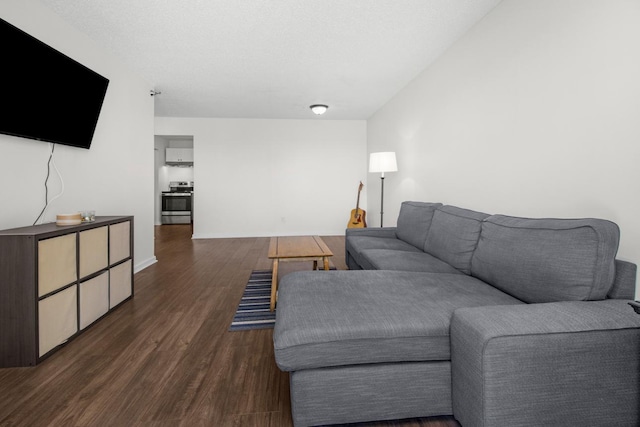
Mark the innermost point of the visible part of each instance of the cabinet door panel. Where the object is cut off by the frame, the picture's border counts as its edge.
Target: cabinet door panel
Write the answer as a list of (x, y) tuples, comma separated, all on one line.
[(119, 283), (93, 251), (94, 299), (56, 263), (178, 154), (187, 155), (119, 241), (58, 316)]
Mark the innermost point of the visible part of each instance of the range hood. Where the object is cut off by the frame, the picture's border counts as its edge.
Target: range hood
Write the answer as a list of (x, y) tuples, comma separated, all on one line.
[(179, 156)]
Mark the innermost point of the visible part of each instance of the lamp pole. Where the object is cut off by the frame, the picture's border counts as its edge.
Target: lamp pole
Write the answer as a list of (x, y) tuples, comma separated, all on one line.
[(381, 200), (382, 162)]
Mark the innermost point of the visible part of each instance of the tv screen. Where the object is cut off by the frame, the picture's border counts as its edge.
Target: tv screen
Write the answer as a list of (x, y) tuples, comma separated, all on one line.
[(45, 94)]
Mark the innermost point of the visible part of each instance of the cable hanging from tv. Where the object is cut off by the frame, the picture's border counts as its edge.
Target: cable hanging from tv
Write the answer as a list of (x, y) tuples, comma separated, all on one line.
[(47, 202)]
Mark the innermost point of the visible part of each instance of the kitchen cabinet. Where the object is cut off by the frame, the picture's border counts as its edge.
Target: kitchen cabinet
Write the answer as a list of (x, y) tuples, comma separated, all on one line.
[(179, 156), (56, 281)]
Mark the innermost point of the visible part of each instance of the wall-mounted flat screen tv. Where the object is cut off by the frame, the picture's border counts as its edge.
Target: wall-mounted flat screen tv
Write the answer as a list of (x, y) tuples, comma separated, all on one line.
[(44, 94)]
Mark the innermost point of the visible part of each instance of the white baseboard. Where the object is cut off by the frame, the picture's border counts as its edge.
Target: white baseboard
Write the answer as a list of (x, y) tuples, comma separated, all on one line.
[(144, 264), (278, 234)]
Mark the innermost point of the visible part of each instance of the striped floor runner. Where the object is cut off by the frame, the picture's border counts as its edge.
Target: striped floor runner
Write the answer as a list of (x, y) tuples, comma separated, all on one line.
[(253, 310)]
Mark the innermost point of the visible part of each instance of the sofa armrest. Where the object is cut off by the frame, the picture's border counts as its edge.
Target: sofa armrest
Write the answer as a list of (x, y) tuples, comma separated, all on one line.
[(388, 232), (624, 285), (565, 363)]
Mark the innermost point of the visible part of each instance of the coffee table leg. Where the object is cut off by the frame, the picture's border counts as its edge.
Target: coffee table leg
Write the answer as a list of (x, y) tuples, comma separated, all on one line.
[(315, 264), (325, 261), (274, 285)]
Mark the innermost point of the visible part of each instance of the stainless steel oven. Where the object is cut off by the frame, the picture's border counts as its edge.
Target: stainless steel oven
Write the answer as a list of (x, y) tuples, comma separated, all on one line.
[(177, 204)]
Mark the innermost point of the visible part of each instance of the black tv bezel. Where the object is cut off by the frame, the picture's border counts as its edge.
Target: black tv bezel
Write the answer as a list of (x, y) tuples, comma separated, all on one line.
[(99, 88)]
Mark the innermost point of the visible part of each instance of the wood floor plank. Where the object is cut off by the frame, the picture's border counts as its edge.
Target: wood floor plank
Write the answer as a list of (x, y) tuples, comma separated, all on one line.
[(166, 357)]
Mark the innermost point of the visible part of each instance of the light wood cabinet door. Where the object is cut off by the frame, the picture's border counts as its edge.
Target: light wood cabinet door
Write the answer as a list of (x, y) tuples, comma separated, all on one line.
[(56, 263), (93, 250), (57, 319), (94, 299), (119, 241), (119, 283)]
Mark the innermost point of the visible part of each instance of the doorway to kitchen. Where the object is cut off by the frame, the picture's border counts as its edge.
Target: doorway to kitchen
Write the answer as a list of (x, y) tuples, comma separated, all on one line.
[(174, 185)]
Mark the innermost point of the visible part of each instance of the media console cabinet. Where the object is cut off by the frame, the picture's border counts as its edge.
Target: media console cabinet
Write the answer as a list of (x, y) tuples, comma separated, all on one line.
[(55, 281)]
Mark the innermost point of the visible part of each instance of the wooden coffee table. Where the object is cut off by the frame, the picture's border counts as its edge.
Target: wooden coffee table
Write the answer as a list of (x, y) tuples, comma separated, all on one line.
[(298, 248)]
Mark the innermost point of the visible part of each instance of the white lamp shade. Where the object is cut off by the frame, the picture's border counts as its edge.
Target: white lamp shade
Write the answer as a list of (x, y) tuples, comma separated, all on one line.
[(383, 162)]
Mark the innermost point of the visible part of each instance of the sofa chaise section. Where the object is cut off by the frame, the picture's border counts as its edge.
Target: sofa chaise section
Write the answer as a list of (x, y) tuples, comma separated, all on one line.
[(352, 317), (354, 356)]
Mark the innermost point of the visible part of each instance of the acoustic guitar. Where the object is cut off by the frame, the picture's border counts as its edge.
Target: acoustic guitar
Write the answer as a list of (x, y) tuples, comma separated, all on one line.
[(358, 216)]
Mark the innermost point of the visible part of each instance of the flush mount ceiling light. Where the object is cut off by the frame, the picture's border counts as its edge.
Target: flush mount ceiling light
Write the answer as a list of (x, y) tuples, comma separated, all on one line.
[(319, 108)]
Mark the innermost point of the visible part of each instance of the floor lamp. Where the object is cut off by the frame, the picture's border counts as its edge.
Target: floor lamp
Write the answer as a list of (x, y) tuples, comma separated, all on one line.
[(382, 162)]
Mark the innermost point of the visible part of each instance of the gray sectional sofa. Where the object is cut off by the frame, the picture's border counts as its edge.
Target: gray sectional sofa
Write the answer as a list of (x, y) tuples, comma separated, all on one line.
[(497, 320)]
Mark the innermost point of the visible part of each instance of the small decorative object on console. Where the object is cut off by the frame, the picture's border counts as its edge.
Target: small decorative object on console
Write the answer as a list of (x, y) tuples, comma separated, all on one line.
[(68, 219), (88, 216)]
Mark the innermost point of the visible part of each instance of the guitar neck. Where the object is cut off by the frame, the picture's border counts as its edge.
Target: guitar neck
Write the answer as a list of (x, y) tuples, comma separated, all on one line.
[(358, 201)]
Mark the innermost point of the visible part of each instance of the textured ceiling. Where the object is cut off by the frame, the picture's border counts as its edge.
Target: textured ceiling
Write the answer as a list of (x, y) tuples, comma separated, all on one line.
[(274, 58)]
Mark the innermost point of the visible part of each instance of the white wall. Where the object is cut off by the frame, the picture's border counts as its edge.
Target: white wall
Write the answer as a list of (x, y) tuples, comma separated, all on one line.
[(535, 112), (114, 177), (273, 177)]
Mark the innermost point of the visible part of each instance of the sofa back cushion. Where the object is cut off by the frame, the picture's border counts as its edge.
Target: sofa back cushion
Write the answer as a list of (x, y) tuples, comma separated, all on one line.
[(453, 236), (414, 222), (546, 260)]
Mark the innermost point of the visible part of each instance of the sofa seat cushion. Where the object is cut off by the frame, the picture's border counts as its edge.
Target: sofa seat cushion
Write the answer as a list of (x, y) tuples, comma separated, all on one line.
[(385, 259), (357, 244), (547, 260), (370, 316)]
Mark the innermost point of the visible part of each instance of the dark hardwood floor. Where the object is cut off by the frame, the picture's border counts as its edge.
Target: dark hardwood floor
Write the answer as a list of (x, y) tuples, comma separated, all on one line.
[(165, 358)]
